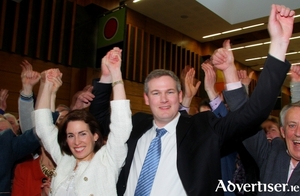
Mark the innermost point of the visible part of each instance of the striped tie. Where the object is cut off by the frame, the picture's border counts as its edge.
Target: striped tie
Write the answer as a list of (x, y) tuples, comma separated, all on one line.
[(144, 184)]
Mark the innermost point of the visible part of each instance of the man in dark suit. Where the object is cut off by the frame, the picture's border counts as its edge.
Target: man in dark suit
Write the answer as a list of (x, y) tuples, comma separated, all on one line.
[(190, 150), (278, 159)]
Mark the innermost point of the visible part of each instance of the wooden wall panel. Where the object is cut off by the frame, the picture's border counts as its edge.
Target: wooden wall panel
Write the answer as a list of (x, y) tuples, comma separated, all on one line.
[(135, 53), (157, 51), (2, 21), (155, 28), (72, 34), (136, 19), (62, 31), (40, 30), (28, 27), (166, 33), (146, 56), (140, 61), (15, 29), (51, 29), (107, 4)]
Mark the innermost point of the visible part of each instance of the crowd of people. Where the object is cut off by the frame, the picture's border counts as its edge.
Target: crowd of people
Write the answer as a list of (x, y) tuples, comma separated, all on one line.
[(96, 146)]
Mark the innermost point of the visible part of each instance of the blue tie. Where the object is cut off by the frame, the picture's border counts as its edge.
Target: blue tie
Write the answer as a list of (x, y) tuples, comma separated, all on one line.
[(144, 184)]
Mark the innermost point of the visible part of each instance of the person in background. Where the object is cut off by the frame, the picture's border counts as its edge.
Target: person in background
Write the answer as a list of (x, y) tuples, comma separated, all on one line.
[(63, 111), (4, 124), (271, 128), (204, 105), (15, 148), (30, 176), (80, 100), (277, 159), (14, 123)]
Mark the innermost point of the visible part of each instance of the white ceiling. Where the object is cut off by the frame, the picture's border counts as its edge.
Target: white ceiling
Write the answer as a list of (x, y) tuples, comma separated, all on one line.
[(196, 20), (233, 11)]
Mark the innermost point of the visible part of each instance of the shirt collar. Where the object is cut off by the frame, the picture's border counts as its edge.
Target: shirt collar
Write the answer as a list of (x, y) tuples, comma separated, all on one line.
[(171, 126)]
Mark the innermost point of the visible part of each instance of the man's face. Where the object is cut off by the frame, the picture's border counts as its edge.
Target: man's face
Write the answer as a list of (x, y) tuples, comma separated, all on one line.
[(163, 99), (291, 133), (271, 129)]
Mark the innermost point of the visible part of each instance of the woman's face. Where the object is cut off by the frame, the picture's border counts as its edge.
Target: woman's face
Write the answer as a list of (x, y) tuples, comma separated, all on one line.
[(271, 129), (80, 140)]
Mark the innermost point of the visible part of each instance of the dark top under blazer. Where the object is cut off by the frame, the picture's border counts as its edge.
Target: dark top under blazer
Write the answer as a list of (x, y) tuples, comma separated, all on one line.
[(200, 137)]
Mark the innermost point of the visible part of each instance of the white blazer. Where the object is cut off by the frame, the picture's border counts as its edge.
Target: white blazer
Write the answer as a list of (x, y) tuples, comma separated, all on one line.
[(98, 176)]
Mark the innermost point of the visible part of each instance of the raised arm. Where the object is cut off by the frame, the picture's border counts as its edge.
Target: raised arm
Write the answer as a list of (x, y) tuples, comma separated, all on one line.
[(216, 103), (44, 125), (100, 106), (57, 82), (113, 63), (191, 86), (245, 78), (223, 59), (209, 79), (47, 87), (280, 26), (273, 73), (82, 99), (29, 78), (121, 125)]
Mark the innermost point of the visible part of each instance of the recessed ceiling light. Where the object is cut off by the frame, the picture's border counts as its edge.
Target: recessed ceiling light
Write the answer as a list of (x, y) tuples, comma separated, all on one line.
[(230, 31), (233, 30)]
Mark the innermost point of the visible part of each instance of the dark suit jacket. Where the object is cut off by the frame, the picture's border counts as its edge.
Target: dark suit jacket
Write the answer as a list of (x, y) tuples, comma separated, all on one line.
[(236, 144), (200, 137), (100, 106), (14, 148), (273, 161)]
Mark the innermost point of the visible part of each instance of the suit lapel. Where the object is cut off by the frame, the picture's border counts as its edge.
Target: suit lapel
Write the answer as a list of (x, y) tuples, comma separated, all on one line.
[(182, 128), (295, 177)]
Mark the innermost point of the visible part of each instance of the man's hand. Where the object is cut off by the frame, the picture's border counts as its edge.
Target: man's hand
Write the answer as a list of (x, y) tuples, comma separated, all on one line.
[(281, 23), (222, 58), (28, 77), (209, 79), (244, 78), (280, 26), (189, 81), (82, 99), (295, 73)]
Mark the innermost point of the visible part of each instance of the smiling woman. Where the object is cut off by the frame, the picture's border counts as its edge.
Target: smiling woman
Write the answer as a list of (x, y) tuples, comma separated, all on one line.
[(80, 135), (85, 165)]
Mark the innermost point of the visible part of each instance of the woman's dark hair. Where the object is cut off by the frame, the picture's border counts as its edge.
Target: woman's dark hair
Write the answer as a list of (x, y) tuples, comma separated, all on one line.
[(78, 115)]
